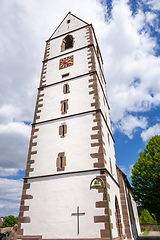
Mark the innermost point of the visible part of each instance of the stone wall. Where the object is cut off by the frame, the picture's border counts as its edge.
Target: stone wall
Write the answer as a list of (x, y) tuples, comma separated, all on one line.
[(150, 227)]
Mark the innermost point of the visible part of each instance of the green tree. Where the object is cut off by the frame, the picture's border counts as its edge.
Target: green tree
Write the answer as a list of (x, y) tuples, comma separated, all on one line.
[(146, 218), (146, 177), (9, 221)]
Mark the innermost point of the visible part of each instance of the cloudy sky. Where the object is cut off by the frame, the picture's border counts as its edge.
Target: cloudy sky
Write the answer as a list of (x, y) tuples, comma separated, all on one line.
[(128, 32)]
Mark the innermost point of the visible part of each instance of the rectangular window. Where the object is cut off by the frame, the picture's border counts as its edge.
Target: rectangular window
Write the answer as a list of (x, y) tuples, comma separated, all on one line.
[(66, 88), (108, 139), (62, 130), (97, 51), (110, 165), (64, 106), (61, 161), (65, 75), (106, 117)]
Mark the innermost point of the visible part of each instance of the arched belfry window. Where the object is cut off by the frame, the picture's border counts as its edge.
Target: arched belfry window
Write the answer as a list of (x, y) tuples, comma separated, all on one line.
[(67, 42)]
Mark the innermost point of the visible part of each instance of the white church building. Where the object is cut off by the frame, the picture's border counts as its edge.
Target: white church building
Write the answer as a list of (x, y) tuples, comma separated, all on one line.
[(73, 188)]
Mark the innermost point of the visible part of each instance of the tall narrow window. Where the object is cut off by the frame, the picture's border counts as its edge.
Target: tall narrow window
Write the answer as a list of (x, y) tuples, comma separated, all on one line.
[(64, 106), (61, 161), (62, 130), (66, 88), (108, 139), (67, 42), (110, 165), (106, 117)]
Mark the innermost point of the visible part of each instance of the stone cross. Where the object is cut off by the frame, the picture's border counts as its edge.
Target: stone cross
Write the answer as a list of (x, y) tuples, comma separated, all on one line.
[(78, 214)]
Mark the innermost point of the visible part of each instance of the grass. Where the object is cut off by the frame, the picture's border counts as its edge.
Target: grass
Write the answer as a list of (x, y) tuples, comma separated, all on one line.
[(145, 233)]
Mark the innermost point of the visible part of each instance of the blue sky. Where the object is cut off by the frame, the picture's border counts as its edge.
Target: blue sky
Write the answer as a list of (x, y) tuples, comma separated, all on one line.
[(128, 32)]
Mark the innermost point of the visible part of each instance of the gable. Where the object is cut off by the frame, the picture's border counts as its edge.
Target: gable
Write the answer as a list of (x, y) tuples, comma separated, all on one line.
[(69, 23)]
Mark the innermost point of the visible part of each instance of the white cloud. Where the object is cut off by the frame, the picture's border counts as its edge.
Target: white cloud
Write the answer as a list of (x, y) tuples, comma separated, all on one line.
[(8, 113), (14, 146), (130, 171), (129, 124), (155, 4), (150, 132), (131, 67), (8, 205), (4, 172), (10, 189), (127, 171), (151, 17), (15, 127), (123, 168)]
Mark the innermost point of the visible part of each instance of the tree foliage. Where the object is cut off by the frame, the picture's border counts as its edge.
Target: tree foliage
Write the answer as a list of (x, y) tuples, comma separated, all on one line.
[(146, 218), (146, 177), (9, 221)]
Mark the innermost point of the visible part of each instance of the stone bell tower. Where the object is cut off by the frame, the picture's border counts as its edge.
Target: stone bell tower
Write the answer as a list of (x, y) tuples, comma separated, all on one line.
[(71, 144)]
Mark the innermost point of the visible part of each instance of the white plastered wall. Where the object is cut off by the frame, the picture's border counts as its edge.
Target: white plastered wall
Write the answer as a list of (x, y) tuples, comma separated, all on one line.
[(99, 70), (79, 99), (110, 151), (135, 212), (79, 40), (55, 199), (64, 27), (104, 106), (62, 194), (113, 191), (76, 145), (99, 63), (80, 66)]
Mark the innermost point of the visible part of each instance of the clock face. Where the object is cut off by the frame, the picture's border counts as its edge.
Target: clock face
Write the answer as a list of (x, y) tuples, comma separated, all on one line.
[(66, 62)]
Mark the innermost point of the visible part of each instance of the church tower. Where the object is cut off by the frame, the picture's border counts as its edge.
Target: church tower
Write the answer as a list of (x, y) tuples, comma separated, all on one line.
[(72, 145)]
